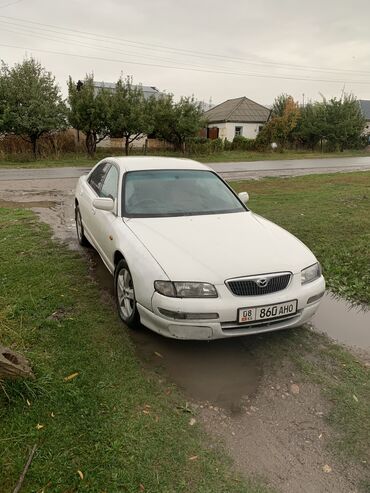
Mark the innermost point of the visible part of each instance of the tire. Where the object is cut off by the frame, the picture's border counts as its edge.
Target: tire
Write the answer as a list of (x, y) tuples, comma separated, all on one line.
[(82, 240), (124, 293)]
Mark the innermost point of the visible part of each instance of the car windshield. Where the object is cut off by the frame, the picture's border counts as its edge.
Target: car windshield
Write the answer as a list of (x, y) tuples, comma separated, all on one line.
[(155, 193)]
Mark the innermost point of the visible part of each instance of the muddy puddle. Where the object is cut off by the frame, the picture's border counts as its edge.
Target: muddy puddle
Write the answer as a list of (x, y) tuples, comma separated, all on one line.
[(52, 207), (222, 373), (343, 322)]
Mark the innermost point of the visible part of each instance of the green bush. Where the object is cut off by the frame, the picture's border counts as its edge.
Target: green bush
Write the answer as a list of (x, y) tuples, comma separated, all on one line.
[(203, 146), (243, 144), (263, 140), (228, 146), (217, 145)]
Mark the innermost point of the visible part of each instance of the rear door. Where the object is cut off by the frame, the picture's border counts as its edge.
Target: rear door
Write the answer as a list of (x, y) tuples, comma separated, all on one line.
[(89, 190), (103, 224)]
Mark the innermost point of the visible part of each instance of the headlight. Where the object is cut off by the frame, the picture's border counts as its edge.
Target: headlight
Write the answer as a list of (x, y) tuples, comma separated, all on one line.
[(310, 273), (186, 289)]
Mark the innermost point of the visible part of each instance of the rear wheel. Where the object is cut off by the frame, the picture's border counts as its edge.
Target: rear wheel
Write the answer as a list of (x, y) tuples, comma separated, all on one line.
[(125, 295), (82, 240)]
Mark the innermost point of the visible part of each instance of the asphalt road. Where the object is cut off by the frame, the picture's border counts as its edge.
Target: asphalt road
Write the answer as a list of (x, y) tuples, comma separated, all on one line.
[(238, 170)]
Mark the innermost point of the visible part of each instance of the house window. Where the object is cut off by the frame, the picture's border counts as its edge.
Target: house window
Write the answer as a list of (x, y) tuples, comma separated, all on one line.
[(238, 131)]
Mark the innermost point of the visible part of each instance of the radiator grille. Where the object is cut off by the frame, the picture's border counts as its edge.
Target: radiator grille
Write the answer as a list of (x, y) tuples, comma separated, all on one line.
[(249, 287)]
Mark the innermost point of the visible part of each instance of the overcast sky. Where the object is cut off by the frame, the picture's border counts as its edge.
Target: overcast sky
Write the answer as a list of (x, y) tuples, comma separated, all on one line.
[(212, 49)]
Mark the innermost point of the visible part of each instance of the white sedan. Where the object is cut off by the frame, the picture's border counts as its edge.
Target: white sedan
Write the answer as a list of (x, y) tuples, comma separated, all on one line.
[(189, 259)]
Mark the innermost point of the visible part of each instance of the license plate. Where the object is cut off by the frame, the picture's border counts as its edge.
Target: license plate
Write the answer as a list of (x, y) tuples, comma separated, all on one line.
[(267, 311)]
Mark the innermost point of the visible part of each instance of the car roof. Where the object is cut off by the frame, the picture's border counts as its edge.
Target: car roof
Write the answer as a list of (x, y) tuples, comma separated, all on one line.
[(145, 162)]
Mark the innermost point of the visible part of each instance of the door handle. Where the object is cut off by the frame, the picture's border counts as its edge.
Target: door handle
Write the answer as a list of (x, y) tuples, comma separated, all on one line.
[(93, 210)]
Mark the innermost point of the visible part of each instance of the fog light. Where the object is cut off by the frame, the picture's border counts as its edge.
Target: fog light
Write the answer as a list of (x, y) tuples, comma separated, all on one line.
[(188, 316), (315, 298)]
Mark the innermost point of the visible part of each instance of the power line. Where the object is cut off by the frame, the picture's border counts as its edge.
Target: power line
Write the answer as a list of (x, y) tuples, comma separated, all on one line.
[(243, 74), (25, 30), (150, 46), (29, 31)]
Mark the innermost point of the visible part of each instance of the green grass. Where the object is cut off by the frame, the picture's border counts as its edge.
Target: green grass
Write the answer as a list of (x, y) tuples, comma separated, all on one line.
[(113, 422), (230, 156), (331, 214), (76, 159)]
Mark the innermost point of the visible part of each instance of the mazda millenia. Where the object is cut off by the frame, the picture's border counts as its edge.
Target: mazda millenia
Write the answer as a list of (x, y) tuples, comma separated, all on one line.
[(189, 259)]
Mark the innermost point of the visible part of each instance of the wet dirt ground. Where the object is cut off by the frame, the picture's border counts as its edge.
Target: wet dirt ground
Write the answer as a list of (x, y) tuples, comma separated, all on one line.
[(270, 430)]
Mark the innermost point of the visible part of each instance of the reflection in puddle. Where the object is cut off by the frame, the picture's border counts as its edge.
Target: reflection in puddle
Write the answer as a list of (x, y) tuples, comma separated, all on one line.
[(343, 322)]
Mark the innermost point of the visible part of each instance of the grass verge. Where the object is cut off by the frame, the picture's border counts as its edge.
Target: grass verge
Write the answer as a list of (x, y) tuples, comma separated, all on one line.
[(330, 214), (81, 160), (111, 422)]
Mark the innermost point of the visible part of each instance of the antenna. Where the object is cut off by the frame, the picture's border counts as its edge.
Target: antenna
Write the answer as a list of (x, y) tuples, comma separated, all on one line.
[(344, 87)]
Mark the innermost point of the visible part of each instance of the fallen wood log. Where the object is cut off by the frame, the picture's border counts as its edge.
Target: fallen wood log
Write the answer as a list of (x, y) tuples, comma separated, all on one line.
[(13, 365)]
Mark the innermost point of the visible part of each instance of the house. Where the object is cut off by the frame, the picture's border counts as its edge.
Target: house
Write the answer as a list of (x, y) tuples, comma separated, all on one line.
[(234, 117), (365, 108)]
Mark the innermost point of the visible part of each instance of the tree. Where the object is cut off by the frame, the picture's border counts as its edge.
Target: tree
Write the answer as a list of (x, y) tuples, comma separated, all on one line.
[(281, 129), (178, 122), (279, 104), (131, 112), (2, 97), (344, 122), (90, 110), (312, 127), (33, 103), (337, 122)]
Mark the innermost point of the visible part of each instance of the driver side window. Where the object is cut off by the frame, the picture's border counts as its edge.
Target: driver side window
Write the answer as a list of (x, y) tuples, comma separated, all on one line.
[(110, 185), (97, 177)]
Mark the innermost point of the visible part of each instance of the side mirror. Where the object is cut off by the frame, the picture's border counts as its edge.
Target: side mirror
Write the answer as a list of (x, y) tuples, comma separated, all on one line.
[(244, 197), (104, 204)]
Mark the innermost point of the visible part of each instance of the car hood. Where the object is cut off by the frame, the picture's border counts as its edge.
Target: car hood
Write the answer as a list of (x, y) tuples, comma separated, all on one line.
[(212, 248)]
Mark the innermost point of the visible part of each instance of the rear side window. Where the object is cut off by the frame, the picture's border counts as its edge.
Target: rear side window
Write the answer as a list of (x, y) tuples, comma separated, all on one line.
[(110, 185), (96, 178)]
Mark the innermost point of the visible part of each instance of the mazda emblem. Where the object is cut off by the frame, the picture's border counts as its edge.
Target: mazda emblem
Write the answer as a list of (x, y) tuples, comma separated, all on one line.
[(262, 283)]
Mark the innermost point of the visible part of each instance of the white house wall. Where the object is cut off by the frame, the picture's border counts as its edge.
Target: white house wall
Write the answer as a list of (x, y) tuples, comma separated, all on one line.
[(249, 130), (227, 130)]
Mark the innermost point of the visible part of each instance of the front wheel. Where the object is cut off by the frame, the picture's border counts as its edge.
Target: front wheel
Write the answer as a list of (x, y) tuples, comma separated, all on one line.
[(125, 295)]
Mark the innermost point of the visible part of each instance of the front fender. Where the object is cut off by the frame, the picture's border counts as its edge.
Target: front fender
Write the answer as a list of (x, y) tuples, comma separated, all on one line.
[(143, 266)]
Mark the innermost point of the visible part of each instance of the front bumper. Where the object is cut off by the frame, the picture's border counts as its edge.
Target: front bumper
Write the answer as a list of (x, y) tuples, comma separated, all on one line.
[(227, 305)]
